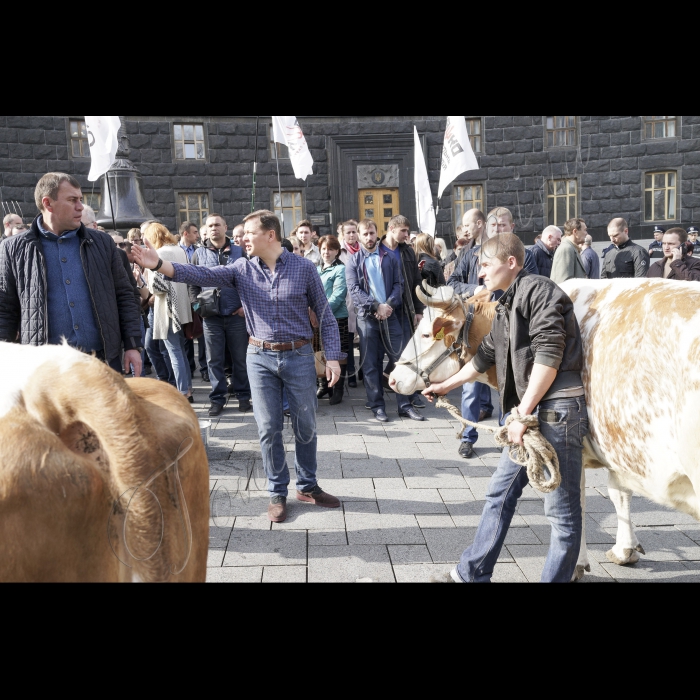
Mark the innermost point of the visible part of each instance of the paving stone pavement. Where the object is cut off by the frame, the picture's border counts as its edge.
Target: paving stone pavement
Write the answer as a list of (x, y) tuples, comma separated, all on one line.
[(410, 505)]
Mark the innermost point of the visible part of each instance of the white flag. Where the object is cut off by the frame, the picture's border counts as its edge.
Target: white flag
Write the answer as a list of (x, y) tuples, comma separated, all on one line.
[(424, 197), (457, 153), (102, 139), (286, 130)]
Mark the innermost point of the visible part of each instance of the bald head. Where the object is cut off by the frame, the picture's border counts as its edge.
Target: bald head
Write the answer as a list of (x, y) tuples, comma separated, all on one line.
[(551, 238), (473, 224), (618, 232)]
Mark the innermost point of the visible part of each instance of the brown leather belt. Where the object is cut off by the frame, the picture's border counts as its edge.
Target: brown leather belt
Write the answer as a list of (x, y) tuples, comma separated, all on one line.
[(278, 347)]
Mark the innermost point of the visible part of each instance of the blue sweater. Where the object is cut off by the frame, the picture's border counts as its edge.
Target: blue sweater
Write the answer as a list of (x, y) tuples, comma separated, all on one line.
[(70, 310)]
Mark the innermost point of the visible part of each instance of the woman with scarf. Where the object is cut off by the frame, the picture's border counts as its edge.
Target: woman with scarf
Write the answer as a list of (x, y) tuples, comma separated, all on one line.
[(332, 272), (171, 310), (349, 246)]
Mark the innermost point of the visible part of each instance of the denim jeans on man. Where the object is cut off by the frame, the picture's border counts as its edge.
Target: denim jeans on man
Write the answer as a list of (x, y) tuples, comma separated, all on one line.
[(564, 422), (476, 397), (271, 372), (221, 332), (374, 344)]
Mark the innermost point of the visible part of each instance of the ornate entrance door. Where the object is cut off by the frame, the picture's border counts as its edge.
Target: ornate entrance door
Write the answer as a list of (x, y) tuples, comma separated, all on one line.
[(380, 205)]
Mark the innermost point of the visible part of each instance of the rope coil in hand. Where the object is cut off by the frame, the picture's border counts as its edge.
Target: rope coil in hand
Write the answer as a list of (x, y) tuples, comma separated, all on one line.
[(536, 455)]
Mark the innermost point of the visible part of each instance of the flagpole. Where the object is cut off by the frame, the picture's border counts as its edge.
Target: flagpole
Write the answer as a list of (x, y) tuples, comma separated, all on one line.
[(255, 163), (279, 188), (111, 206)]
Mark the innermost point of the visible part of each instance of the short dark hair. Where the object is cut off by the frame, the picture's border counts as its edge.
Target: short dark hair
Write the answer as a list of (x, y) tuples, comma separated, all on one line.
[(268, 221), (573, 225), (214, 214), (48, 187), (185, 227), (399, 221), (331, 242), (680, 232), (366, 223), (503, 246), (305, 223)]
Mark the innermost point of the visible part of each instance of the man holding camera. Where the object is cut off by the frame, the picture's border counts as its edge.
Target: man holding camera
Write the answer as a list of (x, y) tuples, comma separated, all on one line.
[(676, 263)]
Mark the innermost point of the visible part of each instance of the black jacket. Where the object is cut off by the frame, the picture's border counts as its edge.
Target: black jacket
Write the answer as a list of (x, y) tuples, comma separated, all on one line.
[(687, 269), (626, 260), (411, 279), (543, 257), (534, 323), (23, 300)]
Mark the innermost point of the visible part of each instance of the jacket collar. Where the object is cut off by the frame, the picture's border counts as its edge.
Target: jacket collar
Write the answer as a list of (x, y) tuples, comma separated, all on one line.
[(34, 234), (543, 247), (507, 299)]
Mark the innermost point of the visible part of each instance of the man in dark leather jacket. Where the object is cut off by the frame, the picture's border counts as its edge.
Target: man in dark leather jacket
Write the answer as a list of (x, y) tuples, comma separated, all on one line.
[(60, 280), (535, 344)]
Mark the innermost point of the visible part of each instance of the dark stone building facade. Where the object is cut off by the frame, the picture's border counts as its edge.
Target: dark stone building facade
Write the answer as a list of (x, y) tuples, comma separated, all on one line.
[(545, 169)]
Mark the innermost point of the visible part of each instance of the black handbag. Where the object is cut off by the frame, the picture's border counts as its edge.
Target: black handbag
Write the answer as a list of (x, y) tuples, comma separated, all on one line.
[(209, 303)]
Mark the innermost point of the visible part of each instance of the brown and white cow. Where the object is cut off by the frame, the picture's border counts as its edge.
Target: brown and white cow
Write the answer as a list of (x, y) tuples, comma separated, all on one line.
[(88, 487), (643, 422)]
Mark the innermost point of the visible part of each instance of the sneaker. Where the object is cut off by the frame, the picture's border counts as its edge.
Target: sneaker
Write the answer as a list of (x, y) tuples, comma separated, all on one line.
[(318, 497), (277, 510), (216, 409), (466, 450), (451, 577), (243, 405)]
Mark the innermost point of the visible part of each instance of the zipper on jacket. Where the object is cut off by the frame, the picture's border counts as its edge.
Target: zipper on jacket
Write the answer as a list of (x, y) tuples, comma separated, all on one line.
[(92, 298), (46, 297)]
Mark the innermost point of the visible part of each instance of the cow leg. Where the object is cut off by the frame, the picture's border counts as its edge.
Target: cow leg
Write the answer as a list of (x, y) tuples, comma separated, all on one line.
[(582, 565), (626, 545)]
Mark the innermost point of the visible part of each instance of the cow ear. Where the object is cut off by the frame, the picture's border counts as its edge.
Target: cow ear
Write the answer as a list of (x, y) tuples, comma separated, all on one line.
[(443, 326)]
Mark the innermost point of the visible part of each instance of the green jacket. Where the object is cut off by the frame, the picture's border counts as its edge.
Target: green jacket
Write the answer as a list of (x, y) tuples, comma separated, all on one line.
[(336, 287), (567, 263)]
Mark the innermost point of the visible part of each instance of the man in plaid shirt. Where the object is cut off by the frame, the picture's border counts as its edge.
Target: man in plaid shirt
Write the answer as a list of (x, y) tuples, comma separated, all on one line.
[(277, 289)]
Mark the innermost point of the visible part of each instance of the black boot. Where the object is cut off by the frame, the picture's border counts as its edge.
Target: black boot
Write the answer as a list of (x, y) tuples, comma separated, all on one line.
[(339, 388), (323, 389)]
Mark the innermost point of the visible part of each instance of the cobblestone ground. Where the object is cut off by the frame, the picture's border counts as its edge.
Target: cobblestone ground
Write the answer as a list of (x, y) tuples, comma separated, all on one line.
[(410, 505)]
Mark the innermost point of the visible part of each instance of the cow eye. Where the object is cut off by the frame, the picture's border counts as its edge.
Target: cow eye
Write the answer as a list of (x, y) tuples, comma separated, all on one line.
[(426, 335)]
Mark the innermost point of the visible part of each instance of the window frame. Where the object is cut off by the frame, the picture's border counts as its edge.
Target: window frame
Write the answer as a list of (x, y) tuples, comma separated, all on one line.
[(287, 190), (458, 221), (577, 207), (96, 193), (205, 141), (481, 134), (647, 173), (189, 192), (556, 146), (70, 140), (648, 120)]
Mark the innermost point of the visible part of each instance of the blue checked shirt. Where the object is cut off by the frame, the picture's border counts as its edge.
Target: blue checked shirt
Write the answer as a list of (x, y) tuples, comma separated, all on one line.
[(276, 306)]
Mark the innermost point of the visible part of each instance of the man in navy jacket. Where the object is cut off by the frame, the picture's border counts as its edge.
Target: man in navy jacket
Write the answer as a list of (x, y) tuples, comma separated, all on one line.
[(227, 329), (376, 287)]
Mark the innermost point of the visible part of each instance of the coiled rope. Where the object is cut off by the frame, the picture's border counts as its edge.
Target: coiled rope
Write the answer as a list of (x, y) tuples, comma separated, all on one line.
[(536, 455)]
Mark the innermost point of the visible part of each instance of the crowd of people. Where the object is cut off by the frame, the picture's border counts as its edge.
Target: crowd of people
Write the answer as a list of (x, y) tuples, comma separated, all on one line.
[(277, 320)]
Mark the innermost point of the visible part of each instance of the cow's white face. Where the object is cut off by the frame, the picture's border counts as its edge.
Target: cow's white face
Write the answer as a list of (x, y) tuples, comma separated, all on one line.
[(435, 333)]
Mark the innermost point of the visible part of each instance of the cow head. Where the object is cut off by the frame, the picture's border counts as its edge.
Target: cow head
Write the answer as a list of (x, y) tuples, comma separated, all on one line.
[(442, 326)]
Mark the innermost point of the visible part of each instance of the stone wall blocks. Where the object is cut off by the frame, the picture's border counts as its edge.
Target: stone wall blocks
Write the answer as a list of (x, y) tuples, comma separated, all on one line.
[(41, 167), (621, 191), (620, 139), (17, 121), (631, 123), (502, 121), (222, 194), (610, 126), (522, 121), (611, 152), (131, 127), (514, 159), (217, 142), (633, 150), (20, 151), (149, 155), (494, 135), (138, 141), (662, 161), (662, 146), (43, 151), (8, 135), (598, 140), (525, 146), (148, 127), (610, 178), (538, 157), (686, 146), (504, 147)]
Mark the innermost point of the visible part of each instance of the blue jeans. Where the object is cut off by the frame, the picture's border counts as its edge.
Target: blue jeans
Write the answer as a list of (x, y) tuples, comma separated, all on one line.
[(158, 354), (175, 345), (373, 346), (476, 397), (564, 422), (221, 332), (202, 359), (271, 372)]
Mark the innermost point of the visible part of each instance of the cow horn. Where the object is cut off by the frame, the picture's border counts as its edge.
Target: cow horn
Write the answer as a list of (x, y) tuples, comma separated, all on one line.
[(430, 295)]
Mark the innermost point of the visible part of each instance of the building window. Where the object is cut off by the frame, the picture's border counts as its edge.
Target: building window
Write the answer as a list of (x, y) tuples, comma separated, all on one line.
[(659, 127), (189, 141), (561, 201), (660, 196), (289, 209), (79, 139), (193, 207), (474, 131), (466, 197), (282, 150), (561, 131), (93, 199)]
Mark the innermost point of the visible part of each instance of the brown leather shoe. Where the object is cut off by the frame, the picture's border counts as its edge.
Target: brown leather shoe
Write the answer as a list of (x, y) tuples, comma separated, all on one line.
[(277, 510), (319, 497)]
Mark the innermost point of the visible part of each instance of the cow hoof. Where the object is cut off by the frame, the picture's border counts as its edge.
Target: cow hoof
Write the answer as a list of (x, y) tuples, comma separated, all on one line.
[(629, 556), (580, 572)]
